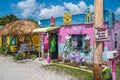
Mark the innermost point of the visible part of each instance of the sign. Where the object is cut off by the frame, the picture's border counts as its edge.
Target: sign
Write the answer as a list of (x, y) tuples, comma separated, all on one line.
[(26, 47), (101, 34), (52, 21), (77, 28), (67, 18)]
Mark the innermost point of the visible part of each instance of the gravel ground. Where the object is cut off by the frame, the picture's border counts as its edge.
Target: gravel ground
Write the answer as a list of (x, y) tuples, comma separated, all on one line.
[(11, 70)]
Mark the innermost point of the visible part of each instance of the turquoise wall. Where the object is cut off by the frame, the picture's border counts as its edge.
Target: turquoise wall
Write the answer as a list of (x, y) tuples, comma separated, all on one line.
[(80, 19)]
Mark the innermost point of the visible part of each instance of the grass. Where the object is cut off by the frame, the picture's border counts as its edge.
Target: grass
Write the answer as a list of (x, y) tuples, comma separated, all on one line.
[(118, 72), (79, 74)]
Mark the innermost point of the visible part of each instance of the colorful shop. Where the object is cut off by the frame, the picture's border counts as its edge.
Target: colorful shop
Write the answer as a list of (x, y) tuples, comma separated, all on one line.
[(76, 33)]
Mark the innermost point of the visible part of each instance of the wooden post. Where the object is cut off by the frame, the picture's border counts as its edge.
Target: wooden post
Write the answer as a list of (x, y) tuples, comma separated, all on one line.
[(98, 50), (39, 45)]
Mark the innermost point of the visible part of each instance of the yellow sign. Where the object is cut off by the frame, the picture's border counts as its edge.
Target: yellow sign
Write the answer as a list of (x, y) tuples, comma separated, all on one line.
[(67, 18)]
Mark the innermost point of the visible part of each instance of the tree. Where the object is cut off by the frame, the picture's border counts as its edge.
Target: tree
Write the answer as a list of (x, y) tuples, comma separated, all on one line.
[(7, 19), (32, 20)]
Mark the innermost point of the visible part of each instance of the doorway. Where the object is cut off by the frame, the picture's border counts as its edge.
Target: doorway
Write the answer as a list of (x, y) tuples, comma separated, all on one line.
[(53, 45)]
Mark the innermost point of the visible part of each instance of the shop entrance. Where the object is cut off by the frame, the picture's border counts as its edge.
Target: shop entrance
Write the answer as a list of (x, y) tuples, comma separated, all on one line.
[(53, 45)]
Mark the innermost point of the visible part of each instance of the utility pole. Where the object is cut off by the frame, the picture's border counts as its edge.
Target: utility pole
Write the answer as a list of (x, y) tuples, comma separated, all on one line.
[(98, 46)]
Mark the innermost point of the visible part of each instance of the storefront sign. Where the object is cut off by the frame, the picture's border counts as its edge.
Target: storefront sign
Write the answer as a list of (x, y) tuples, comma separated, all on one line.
[(77, 28), (52, 21), (101, 34), (67, 18), (26, 47)]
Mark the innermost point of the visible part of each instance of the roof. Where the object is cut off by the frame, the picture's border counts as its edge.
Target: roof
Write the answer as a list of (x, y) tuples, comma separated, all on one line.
[(45, 29)]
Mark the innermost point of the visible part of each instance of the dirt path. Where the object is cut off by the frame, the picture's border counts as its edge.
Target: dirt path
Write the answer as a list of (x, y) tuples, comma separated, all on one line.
[(10, 70)]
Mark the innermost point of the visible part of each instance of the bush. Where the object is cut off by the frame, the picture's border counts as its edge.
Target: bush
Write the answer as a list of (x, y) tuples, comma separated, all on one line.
[(34, 53), (20, 56), (3, 49)]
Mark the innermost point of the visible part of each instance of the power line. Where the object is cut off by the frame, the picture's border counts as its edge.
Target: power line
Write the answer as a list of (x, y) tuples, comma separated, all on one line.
[(36, 9)]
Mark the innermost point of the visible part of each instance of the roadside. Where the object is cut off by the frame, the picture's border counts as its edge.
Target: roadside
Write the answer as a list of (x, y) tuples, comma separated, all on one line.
[(11, 70)]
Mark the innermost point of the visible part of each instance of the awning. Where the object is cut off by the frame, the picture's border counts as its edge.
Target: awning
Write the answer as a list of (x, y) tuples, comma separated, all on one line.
[(46, 29)]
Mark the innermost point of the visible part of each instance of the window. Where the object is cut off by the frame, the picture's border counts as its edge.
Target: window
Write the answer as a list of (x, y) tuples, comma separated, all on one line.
[(115, 40), (77, 41)]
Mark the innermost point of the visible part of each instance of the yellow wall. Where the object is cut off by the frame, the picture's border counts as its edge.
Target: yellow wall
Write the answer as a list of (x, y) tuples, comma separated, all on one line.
[(35, 40), (14, 46), (0, 41)]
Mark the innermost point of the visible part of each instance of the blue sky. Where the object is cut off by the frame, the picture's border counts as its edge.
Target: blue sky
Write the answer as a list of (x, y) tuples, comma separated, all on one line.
[(47, 8)]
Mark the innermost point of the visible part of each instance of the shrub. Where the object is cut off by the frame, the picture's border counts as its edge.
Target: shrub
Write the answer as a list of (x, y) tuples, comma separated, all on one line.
[(3, 49), (20, 56)]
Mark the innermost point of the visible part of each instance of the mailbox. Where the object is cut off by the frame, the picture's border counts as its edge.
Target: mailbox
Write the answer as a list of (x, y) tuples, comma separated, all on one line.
[(112, 54)]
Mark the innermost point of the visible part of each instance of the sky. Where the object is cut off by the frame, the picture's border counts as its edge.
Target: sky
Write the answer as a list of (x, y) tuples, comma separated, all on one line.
[(40, 9)]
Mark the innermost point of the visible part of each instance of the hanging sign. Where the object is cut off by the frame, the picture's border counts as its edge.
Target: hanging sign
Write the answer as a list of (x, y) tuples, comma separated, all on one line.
[(101, 34)]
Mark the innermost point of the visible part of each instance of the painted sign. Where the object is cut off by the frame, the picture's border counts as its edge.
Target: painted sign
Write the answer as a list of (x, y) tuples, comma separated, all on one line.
[(101, 34), (52, 21), (67, 18), (26, 47)]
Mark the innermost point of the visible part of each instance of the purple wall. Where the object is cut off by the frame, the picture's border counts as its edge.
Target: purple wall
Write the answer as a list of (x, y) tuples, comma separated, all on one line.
[(77, 29), (112, 32)]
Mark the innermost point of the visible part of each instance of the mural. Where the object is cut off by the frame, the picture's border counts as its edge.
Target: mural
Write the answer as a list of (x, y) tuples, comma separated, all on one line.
[(67, 18)]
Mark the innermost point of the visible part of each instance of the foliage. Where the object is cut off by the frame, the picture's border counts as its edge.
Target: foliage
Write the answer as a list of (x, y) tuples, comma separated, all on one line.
[(34, 54), (78, 73), (7, 19), (3, 49), (118, 72), (20, 56), (33, 20)]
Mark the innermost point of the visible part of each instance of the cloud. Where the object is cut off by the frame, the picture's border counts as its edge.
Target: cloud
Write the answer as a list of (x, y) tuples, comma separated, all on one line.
[(117, 12), (72, 7), (82, 6), (26, 8), (57, 11)]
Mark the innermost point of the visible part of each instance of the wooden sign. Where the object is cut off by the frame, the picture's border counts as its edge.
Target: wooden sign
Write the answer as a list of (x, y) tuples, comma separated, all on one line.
[(26, 47), (101, 34)]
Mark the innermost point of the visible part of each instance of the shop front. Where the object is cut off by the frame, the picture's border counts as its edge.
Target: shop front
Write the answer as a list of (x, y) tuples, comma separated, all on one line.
[(48, 42)]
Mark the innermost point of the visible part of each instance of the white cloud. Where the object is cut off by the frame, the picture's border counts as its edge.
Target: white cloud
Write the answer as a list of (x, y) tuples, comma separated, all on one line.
[(117, 12), (55, 11), (82, 6), (26, 8), (72, 7)]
